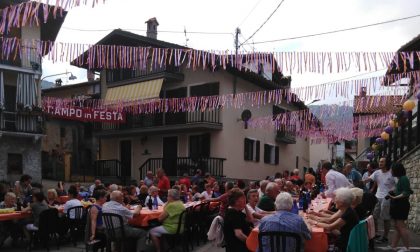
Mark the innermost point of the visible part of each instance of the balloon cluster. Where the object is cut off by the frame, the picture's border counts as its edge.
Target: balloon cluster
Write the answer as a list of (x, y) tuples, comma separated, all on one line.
[(395, 121)]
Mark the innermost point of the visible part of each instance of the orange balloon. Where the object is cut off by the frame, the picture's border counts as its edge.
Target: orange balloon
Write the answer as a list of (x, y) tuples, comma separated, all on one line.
[(409, 105), (384, 136), (393, 124)]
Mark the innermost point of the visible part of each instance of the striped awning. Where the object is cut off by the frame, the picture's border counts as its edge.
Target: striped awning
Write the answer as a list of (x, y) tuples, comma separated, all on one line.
[(138, 91)]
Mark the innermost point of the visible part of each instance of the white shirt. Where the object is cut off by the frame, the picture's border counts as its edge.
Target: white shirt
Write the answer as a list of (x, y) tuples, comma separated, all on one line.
[(364, 177), (160, 202), (71, 203), (205, 195), (385, 182), (256, 221), (335, 180)]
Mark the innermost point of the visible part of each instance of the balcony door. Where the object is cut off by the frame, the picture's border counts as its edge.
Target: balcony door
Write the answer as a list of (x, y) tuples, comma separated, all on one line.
[(125, 157), (180, 117), (170, 154), (200, 146)]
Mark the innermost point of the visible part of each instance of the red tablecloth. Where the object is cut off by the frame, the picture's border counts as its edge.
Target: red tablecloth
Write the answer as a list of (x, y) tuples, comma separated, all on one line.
[(14, 216), (142, 220), (63, 199), (318, 241)]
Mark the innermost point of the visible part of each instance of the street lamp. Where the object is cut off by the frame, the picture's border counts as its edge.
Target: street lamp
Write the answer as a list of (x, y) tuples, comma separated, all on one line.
[(317, 100), (72, 77)]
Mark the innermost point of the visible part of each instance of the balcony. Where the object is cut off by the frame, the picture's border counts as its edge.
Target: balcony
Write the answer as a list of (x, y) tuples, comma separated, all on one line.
[(21, 122), (285, 137), (119, 77), (163, 122), (29, 59)]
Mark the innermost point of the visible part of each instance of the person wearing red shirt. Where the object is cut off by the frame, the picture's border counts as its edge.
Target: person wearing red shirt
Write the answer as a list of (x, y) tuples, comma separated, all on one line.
[(164, 185), (295, 175), (185, 180)]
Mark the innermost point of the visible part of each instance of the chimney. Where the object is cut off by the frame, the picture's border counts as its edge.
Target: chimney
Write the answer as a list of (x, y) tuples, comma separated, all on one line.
[(152, 25), (90, 75)]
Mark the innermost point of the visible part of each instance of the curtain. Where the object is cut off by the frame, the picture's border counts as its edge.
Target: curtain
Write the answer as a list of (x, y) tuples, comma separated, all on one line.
[(26, 91)]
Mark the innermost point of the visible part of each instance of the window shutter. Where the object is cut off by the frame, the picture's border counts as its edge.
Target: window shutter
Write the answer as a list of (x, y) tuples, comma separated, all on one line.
[(246, 149), (266, 153), (276, 152), (257, 152)]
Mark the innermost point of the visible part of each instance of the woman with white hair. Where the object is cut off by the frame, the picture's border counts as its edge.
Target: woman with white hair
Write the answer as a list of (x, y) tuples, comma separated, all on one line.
[(343, 200), (169, 218)]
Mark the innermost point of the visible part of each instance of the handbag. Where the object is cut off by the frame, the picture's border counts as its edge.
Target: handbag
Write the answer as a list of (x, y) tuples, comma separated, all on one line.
[(154, 223)]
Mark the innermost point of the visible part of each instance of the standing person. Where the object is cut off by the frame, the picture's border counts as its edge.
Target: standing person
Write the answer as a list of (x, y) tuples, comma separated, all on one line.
[(333, 179), (95, 184), (23, 187), (60, 189), (385, 181), (149, 179), (164, 185), (97, 228), (352, 174), (197, 178), (224, 202), (185, 180), (371, 168), (400, 207)]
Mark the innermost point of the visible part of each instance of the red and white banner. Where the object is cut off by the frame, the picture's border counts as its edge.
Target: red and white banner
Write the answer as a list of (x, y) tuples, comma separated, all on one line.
[(85, 114)]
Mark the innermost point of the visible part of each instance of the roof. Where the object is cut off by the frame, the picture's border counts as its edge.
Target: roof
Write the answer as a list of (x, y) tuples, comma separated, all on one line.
[(72, 86), (377, 104), (412, 45), (125, 38)]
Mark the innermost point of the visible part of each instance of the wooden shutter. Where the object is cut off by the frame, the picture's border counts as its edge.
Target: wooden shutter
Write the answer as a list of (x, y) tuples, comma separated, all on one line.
[(247, 149), (276, 153), (257, 151), (267, 151)]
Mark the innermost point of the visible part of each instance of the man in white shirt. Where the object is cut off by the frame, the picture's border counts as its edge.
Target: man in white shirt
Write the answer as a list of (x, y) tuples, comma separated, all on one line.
[(256, 212), (92, 187), (72, 202), (386, 183), (333, 179)]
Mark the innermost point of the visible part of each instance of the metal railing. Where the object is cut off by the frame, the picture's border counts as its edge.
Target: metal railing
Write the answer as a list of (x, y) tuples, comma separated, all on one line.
[(163, 119), (28, 58), (111, 169), (183, 165), (26, 122)]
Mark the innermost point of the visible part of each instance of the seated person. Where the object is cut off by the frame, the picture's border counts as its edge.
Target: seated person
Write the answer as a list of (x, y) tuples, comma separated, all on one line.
[(208, 192), (344, 224), (143, 194), (267, 200), (115, 206), (97, 228), (237, 224), (60, 189), (257, 213), (357, 206), (9, 227), (52, 197), (195, 194), (37, 207), (154, 195), (169, 218), (216, 191), (285, 221), (132, 196), (72, 202)]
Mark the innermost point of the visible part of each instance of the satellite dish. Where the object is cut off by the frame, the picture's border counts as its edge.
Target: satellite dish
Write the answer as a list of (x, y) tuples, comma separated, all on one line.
[(245, 116)]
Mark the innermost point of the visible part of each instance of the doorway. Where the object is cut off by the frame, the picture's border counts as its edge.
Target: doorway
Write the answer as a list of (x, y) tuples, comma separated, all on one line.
[(170, 154), (125, 158)]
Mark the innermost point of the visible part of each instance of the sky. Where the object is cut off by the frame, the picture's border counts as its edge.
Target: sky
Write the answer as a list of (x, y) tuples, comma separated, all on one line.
[(293, 18)]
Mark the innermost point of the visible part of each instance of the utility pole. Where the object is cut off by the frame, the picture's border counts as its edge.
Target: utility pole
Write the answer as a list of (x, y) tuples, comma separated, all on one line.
[(237, 32)]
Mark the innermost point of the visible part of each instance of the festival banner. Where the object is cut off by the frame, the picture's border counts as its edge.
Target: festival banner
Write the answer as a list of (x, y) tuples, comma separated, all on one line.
[(85, 114)]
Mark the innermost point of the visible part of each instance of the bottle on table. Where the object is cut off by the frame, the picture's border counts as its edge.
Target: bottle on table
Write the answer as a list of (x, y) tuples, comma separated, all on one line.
[(18, 204), (150, 203)]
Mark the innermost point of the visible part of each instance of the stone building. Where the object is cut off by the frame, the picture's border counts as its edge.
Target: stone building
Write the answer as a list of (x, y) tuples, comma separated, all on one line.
[(21, 126)]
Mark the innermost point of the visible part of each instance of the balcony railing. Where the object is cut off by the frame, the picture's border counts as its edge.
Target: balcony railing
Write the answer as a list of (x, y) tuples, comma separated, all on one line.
[(28, 58), (24, 122), (181, 165), (163, 119)]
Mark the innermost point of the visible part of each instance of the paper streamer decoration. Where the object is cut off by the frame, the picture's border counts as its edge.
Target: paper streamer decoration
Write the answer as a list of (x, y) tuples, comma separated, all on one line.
[(29, 13)]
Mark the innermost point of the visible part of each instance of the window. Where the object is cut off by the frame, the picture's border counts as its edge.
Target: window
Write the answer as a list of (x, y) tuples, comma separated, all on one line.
[(271, 154), (251, 150), (200, 146), (14, 163)]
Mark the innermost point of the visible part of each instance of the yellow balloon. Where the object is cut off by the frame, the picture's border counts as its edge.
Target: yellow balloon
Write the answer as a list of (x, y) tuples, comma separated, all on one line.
[(393, 124), (374, 146), (409, 105), (384, 136)]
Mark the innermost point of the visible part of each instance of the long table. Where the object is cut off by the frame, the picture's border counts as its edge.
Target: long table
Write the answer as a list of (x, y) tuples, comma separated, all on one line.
[(318, 241), (14, 216)]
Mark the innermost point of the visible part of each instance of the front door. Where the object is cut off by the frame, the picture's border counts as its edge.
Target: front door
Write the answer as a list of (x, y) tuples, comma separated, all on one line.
[(125, 158), (170, 154)]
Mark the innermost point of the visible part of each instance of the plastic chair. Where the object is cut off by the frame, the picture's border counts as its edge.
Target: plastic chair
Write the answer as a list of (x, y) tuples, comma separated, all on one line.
[(77, 223), (173, 239), (48, 229), (114, 226), (279, 241)]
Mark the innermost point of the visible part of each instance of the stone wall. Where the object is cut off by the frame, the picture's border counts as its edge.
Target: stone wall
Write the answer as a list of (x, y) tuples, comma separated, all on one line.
[(411, 162), (29, 148)]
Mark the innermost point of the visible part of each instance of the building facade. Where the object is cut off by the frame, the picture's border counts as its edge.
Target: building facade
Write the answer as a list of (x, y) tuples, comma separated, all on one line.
[(21, 126)]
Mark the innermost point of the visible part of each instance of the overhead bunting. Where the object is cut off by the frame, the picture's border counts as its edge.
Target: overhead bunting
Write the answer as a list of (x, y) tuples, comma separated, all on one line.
[(147, 58), (33, 13)]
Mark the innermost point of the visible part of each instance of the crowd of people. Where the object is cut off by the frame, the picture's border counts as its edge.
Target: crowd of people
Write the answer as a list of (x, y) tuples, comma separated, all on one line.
[(269, 204)]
